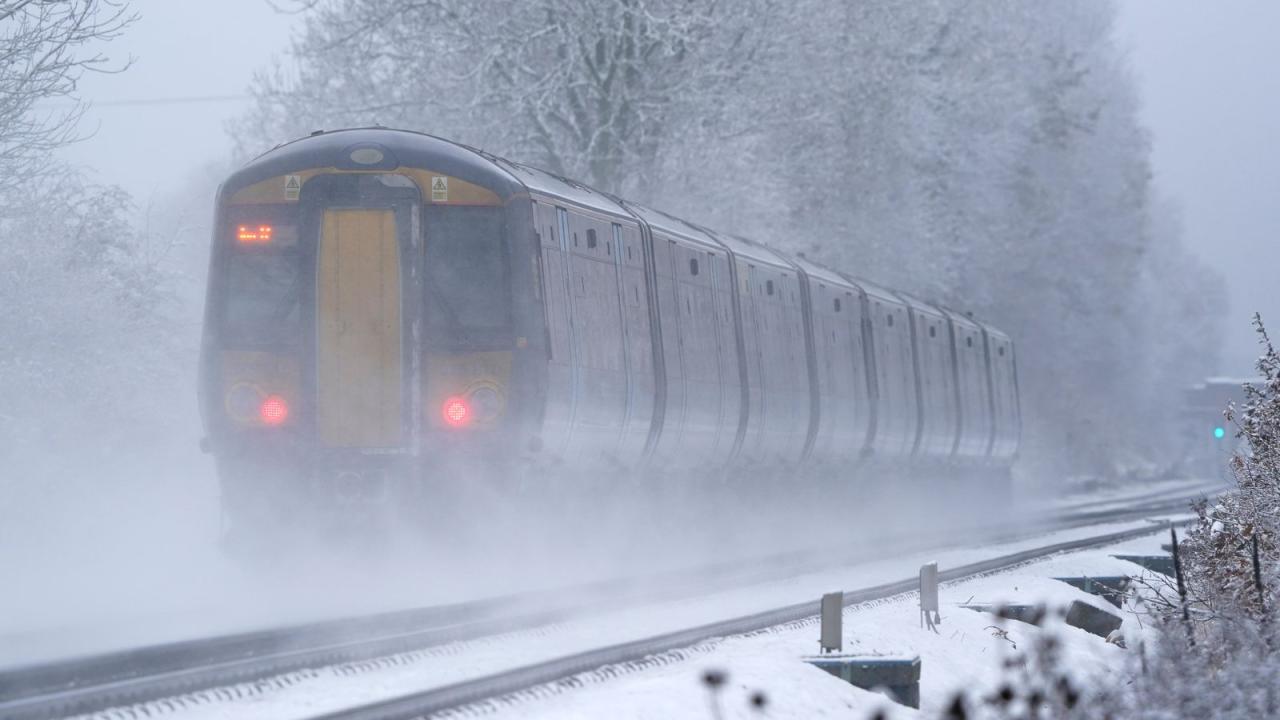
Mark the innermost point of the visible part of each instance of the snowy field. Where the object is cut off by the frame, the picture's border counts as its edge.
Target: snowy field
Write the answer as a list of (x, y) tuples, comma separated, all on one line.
[(963, 655)]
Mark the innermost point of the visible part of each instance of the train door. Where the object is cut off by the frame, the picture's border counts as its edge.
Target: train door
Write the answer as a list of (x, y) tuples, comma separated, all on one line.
[(366, 231), (358, 339)]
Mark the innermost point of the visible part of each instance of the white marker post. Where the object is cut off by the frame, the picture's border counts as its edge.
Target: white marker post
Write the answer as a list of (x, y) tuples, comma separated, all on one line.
[(832, 638), (929, 597)]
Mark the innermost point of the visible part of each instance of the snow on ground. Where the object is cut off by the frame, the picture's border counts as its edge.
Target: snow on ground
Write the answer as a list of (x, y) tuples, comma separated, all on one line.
[(768, 662), (964, 656), (131, 590), (1113, 496)]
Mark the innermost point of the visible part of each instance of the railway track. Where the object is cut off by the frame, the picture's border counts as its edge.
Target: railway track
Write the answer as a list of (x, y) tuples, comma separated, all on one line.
[(147, 674), (509, 684)]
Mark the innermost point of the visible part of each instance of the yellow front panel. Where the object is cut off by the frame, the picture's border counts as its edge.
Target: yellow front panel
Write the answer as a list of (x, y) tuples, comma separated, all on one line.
[(358, 333)]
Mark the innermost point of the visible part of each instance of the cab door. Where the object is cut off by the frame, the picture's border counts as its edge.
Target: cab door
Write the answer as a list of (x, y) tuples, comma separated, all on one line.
[(359, 340), (367, 248)]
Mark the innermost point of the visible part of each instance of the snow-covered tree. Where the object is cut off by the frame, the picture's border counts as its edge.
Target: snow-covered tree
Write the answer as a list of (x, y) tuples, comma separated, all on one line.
[(596, 90), (87, 338), (46, 47), (89, 346)]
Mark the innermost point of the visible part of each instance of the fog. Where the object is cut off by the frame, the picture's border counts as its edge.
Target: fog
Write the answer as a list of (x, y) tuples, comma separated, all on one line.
[(1211, 104), (110, 525)]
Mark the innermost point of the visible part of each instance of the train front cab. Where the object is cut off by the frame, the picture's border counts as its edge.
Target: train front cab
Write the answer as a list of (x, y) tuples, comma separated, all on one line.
[(363, 332)]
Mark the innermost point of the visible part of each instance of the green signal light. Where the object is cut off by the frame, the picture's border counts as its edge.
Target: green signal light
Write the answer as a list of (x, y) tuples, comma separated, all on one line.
[(1219, 433)]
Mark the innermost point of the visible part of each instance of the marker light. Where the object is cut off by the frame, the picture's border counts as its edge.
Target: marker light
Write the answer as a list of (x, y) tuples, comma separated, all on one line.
[(253, 234), (456, 412), (1219, 433), (274, 411)]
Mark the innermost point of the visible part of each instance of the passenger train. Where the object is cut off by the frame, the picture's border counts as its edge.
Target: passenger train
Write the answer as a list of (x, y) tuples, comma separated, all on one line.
[(383, 303)]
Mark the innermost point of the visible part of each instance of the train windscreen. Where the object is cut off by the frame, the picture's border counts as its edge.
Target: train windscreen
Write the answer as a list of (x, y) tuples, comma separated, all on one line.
[(262, 304), (467, 288)]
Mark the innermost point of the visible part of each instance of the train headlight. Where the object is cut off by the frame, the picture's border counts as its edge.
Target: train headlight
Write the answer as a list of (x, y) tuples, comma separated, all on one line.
[(486, 403)]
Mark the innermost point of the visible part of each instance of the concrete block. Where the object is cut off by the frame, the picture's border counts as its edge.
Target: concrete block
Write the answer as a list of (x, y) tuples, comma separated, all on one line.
[(1162, 564), (1092, 619), (1110, 588), (899, 675)]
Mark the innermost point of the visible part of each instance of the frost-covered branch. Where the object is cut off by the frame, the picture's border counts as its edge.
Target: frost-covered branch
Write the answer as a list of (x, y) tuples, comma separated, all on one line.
[(45, 47)]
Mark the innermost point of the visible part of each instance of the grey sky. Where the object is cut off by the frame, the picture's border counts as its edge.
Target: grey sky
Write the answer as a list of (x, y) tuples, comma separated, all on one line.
[(1208, 73), (1210, 78), (182, 49)]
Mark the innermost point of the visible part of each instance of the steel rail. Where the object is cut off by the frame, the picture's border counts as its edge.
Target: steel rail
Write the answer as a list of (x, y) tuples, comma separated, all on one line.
[(98, 682)]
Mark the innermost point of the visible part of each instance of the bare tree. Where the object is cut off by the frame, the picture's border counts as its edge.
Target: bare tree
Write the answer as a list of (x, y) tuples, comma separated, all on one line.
[(45, 48)]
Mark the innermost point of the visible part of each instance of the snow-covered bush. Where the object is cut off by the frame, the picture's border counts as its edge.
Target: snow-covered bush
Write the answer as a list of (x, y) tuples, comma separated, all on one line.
[(1217, 659), (1219, 550), (90, 357)]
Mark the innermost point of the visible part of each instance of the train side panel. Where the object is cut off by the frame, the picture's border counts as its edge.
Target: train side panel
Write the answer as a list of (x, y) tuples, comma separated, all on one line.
[(844, 403), (773, 296), (939, 423), (897, 409), (976, 424), (1004, 390), (602, 395), (629, 262)]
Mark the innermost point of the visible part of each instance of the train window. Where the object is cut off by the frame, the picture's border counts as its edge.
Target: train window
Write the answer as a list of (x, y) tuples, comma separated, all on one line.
[(889, 321), (575, 239), (933, 331), (1001, 351), (768, 286), (591, 239), (628, 252), (467, 290), (969, 341), (693, 266), (837, 304), (263, 298)]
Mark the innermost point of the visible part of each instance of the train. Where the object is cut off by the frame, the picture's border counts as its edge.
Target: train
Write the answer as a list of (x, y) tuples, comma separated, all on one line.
[(385, 305)]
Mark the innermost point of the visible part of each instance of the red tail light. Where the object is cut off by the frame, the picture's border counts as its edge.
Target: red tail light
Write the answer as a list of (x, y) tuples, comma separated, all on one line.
[(456, 412), (273, 411)]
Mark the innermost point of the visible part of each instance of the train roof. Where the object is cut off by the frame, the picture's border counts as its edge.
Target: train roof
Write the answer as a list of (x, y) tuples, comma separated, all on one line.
[(822, 273), (672, 225), (962, 319), (399, 147), (541, 181)]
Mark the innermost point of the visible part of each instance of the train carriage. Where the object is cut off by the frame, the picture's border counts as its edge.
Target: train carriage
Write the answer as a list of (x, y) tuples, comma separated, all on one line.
[(385, 305)]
